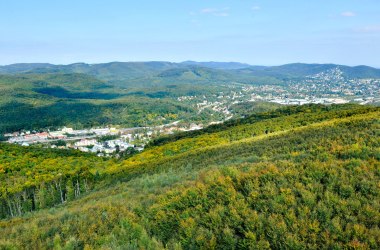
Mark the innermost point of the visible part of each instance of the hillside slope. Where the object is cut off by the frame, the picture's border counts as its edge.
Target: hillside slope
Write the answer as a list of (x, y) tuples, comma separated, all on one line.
[(38, 101), (298, 177)]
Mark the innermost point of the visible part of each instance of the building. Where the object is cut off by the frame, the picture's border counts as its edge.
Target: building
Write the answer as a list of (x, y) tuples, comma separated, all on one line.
[(85, 143), (67, 130), (43, 135)]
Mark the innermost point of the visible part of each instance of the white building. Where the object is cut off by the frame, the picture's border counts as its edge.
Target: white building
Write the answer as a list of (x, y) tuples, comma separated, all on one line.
[(109, 150), (85, 143)]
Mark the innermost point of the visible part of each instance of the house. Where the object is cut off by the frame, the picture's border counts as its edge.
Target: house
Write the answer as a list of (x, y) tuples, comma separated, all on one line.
[(43, 135)]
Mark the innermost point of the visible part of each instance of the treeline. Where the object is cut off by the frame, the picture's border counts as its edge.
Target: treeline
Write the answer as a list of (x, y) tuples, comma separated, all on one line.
[(45, 195), (34, 178)]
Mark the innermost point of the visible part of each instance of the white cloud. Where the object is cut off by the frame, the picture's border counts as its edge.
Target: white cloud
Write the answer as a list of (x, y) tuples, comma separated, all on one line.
[(223, 12), (348, 14), (255, 8), (209, 10), (369, 29)]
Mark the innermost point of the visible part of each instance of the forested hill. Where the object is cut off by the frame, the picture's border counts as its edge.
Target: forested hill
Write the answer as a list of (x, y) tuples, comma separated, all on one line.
[(303, 177), (142, 70)]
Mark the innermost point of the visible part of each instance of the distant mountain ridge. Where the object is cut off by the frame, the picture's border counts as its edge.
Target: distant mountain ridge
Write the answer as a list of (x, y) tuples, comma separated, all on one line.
[(128, 70)]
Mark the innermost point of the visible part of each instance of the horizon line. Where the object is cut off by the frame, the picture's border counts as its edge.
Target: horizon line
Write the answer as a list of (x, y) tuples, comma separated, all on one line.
[(194, 61)]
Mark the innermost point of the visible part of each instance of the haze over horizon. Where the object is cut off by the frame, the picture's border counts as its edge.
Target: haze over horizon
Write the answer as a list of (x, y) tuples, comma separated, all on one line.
[(258, 32), (179, 62)]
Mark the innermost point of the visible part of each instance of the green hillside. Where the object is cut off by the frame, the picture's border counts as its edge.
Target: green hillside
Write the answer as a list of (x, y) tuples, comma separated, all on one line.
[(117, 71), (106, 71), (37, 101), (303, 177)]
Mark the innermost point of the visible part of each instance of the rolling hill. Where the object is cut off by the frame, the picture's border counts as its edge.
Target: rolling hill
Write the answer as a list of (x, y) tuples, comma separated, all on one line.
[(38, 101), (297, 177), (124, 71)]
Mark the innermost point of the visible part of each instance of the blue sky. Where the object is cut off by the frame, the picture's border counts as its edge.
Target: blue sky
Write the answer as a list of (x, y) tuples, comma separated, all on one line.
[(262, 32)]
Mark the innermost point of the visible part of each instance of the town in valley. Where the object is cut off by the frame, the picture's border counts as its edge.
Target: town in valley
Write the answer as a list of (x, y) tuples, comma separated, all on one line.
[(105, 141), (329, 87)]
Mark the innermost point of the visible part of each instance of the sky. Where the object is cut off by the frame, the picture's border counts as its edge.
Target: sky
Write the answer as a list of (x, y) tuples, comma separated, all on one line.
[(260, 32)]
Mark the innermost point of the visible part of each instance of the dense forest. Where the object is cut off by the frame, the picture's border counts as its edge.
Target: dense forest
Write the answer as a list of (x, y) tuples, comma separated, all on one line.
[(299, 177), (41, 101)]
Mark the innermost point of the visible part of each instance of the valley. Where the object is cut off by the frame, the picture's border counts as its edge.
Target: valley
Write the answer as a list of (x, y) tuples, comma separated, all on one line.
[(156, 93), (163, 155), (186, 125)]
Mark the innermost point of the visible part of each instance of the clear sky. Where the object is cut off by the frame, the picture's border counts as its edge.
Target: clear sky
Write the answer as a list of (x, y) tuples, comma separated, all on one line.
[(261, 32)]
